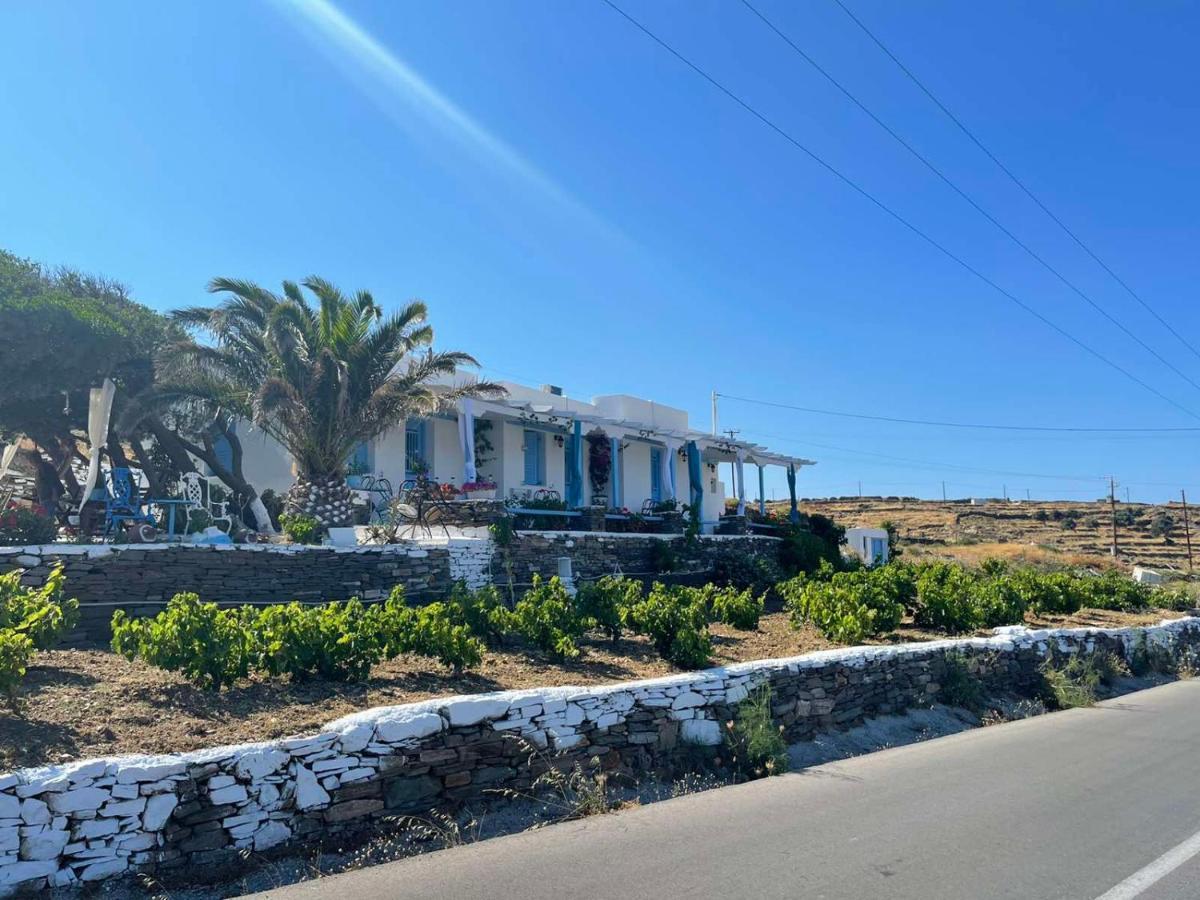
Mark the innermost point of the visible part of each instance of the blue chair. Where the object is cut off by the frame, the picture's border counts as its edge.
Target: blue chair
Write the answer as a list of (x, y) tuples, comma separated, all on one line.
[(122, 504)]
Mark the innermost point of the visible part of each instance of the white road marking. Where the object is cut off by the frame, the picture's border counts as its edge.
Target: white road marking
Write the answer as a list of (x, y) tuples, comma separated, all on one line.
[(1139, 881)]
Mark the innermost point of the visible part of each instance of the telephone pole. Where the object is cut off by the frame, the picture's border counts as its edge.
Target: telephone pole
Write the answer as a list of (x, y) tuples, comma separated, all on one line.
[(714, 413), (860, 490), (1112, 504), (733, 433), (1187, 530), (943, 492)]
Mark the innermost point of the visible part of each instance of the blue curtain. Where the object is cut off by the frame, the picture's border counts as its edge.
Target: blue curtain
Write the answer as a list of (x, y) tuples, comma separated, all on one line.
[(575, 482), (695, 487), (614, 477), (794, 515)]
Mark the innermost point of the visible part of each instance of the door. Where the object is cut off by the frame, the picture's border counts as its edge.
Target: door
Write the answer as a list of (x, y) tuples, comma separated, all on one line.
[(656, 486)]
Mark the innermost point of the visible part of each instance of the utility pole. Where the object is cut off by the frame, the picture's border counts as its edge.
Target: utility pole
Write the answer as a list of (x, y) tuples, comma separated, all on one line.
[(714, 413), (1187, 530), (1004, 488), (943, 492), (1026, 494), (1112, 503), (860, 490), (1126, 493)]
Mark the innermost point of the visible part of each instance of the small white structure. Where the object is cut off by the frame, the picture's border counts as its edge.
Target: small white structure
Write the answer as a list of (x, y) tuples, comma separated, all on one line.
[(868, 544), (1147, 576)]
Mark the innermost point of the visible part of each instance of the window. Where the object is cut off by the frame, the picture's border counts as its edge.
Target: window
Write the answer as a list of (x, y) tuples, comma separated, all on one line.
[(656, 485), (415, 458), (359, 460), (878, 551), (535, 457)]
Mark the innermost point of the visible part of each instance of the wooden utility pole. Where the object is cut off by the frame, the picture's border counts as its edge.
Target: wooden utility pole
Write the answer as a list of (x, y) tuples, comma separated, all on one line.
[(1112, 504), (943, 492), (1187, 530)]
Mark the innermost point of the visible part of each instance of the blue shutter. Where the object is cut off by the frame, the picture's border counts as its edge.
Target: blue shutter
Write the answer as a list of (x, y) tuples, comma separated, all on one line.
[(360, 459), (533, 457), (223, 450), (568, 467), (655, 474)]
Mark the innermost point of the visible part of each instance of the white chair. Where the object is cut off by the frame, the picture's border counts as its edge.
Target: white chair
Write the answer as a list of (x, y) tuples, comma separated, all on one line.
[(197, 490)]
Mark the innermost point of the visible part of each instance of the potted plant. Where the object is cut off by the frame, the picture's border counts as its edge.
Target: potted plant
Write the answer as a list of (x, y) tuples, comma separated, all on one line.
[(479, 489)]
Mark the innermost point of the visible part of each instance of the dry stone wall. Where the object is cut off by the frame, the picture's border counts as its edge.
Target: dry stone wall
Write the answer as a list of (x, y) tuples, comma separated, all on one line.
[(141, 578), (95, 819)]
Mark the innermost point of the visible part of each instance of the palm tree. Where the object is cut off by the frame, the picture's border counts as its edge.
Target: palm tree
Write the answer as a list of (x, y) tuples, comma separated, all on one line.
[(318, 377)]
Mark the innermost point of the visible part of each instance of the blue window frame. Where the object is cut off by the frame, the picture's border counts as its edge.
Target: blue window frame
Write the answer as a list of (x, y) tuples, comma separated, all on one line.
[(878, 550), (568, 469), (535, 457), (656, 485), (415, 457), (359, 461)]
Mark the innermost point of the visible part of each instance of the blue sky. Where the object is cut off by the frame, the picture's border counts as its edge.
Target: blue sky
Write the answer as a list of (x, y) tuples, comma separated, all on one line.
[(576, 206)]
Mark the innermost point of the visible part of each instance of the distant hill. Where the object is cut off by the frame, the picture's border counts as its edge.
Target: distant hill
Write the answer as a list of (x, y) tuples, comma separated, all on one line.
[(1067, 531)]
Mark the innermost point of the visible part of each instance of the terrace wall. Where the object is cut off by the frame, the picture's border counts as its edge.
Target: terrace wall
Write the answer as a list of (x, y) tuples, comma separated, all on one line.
[(141, 578), (91, 820)]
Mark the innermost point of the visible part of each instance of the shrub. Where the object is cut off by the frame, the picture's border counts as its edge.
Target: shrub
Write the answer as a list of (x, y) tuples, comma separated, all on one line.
[(1054, 592), (300, 529), (335, 641), (16, 649), (547, 618), (801, 551), (22, 525), (945, 599), (1073, 684), (676, 621), (1161, 524), (430, 630), (756, 743), (602, 602), (741, 609), (899, 582), (482, 611), (39, 613), (959, 685), (998, 602), (1114, 590), (209, 645), (849, 607)]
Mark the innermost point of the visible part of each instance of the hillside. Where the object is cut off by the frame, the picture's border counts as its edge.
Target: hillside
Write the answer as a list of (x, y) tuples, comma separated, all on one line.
[(1079, 533)]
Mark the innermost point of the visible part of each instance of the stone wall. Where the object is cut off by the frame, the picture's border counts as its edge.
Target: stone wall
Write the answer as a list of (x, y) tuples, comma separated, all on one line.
[(595, 554), (90, 820), (141, 578)]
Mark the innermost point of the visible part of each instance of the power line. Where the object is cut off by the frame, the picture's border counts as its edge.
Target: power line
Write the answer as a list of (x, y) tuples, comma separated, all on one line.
[(1017, 181), (942, 424), (975, 205), (849, 182)]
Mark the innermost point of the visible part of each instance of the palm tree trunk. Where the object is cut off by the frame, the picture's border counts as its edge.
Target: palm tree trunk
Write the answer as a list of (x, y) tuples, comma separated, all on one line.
[(325, 498)]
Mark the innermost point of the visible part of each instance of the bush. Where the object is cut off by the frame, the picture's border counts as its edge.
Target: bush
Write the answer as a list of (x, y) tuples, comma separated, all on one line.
[(482, 611), (41, 614), (21, 525), (899, 582), (431, 630), (756, 745), (211, 646), (1054, 592), (802, 552), (676, 621), (601, 603), (1114, 590), (300, 529), (742, 571), (849, 607), (945, 599), (335, 641), (740, 609), (959, 685), (547, 618), (16, 649), (1073, 684)]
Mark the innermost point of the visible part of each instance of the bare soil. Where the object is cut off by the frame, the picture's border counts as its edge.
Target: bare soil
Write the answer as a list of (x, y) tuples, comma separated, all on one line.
[(84, 703)]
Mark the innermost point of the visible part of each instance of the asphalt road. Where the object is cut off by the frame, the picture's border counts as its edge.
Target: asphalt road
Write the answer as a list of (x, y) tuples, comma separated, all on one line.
[(1090, 803)]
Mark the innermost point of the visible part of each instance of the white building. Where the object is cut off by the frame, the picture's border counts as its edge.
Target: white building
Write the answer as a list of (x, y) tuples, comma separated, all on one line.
[(524, 444), (868, 544)]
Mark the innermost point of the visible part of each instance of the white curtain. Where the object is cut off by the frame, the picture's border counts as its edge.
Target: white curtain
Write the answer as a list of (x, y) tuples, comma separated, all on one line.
[(741, 482), (466, 439), (100, 401), (668, 471), (10, 453)]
